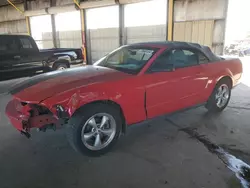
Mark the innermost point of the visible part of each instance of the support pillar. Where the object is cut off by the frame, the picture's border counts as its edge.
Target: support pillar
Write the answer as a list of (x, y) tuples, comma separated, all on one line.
[(121, 25), (170, 20), (86, 56)]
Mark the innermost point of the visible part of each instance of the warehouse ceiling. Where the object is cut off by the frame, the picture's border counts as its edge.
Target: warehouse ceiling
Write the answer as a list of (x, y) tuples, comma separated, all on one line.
[(4, 2)]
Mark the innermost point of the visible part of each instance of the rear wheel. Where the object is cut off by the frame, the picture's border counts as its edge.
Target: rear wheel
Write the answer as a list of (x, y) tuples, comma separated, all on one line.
[(220, 96), (94, 129)]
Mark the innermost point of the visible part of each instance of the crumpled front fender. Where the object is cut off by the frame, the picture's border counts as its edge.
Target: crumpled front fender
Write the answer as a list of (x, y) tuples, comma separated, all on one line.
[(73, 100)]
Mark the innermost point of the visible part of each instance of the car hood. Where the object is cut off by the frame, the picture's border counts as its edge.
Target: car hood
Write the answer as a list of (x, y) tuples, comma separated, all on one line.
[(43, 86)]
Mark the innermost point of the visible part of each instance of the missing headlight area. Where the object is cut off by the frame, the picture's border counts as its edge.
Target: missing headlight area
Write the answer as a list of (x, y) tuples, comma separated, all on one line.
[(25, 116)]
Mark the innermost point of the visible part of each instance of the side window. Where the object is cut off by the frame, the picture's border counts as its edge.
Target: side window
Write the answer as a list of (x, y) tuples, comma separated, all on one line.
[(177, 58), (202, 59), (115, 58), (127, 57), (8, 45), (26, 43), (184, 58), (163, 63), (140, 54)]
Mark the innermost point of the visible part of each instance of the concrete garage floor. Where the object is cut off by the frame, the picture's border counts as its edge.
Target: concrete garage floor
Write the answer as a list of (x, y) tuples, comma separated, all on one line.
[(156, 154)]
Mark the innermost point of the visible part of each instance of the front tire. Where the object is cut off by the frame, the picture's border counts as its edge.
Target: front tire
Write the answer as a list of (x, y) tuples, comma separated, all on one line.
[(94, 129), (61, 66), (220, 97)]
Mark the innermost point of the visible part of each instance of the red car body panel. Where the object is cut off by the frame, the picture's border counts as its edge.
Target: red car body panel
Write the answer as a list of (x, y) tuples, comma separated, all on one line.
[(116, 91), (65, 82), (141, 96)]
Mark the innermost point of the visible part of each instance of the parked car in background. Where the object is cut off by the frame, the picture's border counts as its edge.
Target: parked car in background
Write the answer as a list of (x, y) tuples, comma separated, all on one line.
[(241, 49), (244, 52), (232, 49), (131, 84), (20, 54)]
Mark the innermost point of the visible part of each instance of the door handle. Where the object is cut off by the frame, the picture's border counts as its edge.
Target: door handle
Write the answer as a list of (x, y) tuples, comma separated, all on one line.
[(17, 57)]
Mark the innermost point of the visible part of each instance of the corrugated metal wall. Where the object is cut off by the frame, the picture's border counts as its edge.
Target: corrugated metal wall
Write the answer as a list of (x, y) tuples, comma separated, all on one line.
[(197, 31), (37, 5), (145, 33), (12, 21), (201, 21), (63, 2), (13, 27), (69, 39), (41, 4)]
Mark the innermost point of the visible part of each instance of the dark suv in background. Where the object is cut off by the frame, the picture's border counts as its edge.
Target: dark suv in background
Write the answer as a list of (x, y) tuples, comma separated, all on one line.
[(19, 55)]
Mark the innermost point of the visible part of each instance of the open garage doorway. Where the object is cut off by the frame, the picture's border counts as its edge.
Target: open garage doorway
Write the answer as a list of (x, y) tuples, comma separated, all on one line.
[(237, 40), (145, 21), (68, 29), (103, 30), (41, 31)]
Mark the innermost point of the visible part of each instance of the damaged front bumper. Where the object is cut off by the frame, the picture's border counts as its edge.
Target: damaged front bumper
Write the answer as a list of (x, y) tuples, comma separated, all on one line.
[(25, 116)]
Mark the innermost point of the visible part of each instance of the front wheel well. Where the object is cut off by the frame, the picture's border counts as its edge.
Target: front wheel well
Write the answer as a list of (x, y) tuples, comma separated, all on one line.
[(227, 79), (107, 102), (61, 61)]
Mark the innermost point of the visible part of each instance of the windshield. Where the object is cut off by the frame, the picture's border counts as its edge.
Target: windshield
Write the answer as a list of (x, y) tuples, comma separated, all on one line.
[(128, 59)]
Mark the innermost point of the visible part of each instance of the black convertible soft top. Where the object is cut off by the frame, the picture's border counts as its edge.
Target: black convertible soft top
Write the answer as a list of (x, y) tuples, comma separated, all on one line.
[(178, 44)]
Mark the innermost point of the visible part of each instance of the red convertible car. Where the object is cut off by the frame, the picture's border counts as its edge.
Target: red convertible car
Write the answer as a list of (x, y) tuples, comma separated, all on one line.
[(129, 85)]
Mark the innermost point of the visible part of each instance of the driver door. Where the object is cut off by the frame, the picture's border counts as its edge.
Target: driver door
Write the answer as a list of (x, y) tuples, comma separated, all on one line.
[(172, 83)]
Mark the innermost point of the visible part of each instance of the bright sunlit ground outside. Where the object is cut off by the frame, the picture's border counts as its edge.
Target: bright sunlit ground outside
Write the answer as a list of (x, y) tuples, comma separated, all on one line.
[(246, 71), (237, 26), (238, 29)]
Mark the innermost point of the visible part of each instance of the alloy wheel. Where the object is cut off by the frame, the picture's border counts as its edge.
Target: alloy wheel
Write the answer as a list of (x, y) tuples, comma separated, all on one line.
[(222, 95), (98, 131)]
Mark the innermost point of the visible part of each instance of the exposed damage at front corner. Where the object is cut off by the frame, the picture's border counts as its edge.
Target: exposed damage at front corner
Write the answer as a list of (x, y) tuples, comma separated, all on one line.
[(25, 116), (45, 114)]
